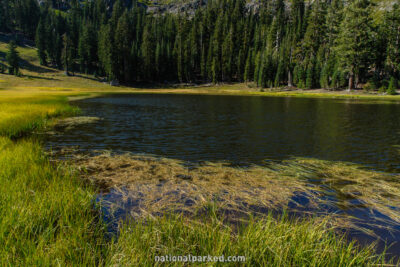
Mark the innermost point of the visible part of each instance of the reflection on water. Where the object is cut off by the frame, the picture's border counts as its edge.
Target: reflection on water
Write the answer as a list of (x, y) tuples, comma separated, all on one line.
[(241, 129)]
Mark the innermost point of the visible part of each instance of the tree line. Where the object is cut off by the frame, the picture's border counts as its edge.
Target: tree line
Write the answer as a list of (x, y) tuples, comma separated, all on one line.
[(320, 44)]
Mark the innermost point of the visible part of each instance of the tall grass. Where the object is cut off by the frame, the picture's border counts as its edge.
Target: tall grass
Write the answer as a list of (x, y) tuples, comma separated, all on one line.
[(269, 242), (19, 116), (46, 213)]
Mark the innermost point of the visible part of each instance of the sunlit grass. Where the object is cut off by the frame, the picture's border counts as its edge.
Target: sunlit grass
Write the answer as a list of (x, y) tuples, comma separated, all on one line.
[(46, 213), (267, 242), (20, 115)]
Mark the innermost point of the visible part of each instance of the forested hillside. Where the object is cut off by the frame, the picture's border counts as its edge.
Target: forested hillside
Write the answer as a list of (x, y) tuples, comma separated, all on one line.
[(319, 44)]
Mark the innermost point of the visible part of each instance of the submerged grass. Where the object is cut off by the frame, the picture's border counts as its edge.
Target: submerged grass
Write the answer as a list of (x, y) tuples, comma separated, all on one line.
[(148, 186), (159, 185)]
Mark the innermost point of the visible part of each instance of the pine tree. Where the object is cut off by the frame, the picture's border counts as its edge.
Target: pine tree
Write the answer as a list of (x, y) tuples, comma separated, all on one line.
[(392, 31), (316, 28), (12, 58), (310, 79), (279, 73), (257, 68), (227, 55), (247, 69), (123, 42), (355, 44), (40, 41), (324, 78), (106, 55)]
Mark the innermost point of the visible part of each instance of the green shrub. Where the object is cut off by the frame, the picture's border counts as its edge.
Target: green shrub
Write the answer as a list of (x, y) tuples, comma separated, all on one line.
[(370, 86)]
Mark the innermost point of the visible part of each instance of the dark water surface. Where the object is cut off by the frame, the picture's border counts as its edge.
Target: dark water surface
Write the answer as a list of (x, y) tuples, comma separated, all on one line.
[(247, 130), (241, 129)]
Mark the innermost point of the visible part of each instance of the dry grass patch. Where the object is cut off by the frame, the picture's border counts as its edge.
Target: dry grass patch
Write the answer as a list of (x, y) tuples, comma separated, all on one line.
[(162, 185), (149, 186)]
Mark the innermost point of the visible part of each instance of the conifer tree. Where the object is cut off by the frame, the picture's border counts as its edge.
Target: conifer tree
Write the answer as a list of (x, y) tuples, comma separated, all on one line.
[(12, 58), (247, 69), (392, 31), (355, 44), (40, 41), (106, 55)]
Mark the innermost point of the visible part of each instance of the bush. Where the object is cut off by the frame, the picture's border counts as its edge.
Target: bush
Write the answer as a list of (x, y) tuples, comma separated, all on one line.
[(382, 89), (370, 86)]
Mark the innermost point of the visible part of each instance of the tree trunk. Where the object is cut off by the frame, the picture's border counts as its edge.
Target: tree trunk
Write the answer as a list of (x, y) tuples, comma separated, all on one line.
[(357, 81), (290, 79), (351, 78)]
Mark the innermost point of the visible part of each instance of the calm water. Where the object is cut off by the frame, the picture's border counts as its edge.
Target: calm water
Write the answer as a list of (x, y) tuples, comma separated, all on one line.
[(247, 130), (241, 129)]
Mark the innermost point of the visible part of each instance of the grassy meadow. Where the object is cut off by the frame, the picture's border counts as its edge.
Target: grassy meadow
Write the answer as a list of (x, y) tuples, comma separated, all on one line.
[(48, 216)]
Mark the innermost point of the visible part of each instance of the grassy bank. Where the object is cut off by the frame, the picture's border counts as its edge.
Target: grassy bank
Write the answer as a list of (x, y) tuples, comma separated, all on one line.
[(47, 215)]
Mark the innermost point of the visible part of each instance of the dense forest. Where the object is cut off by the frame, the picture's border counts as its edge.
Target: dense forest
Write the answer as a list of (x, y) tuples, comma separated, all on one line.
[(319, 44)]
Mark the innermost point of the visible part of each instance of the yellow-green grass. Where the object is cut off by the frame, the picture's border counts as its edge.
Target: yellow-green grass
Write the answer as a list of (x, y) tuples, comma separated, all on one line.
[(20, 115)]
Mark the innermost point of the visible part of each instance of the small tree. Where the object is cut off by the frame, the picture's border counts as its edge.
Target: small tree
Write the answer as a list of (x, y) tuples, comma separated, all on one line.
[(12, 58), (392, 86)]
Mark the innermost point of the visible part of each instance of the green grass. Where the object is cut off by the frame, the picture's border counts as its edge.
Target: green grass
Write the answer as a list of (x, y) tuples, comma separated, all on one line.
[(268, 242), (46, 213)]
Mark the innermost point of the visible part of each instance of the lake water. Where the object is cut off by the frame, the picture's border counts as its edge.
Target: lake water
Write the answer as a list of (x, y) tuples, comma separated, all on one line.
[(241, 129), (245, 130)]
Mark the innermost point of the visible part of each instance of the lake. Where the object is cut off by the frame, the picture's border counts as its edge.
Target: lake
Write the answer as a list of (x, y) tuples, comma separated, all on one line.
[(240, 129), (246, 130)]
